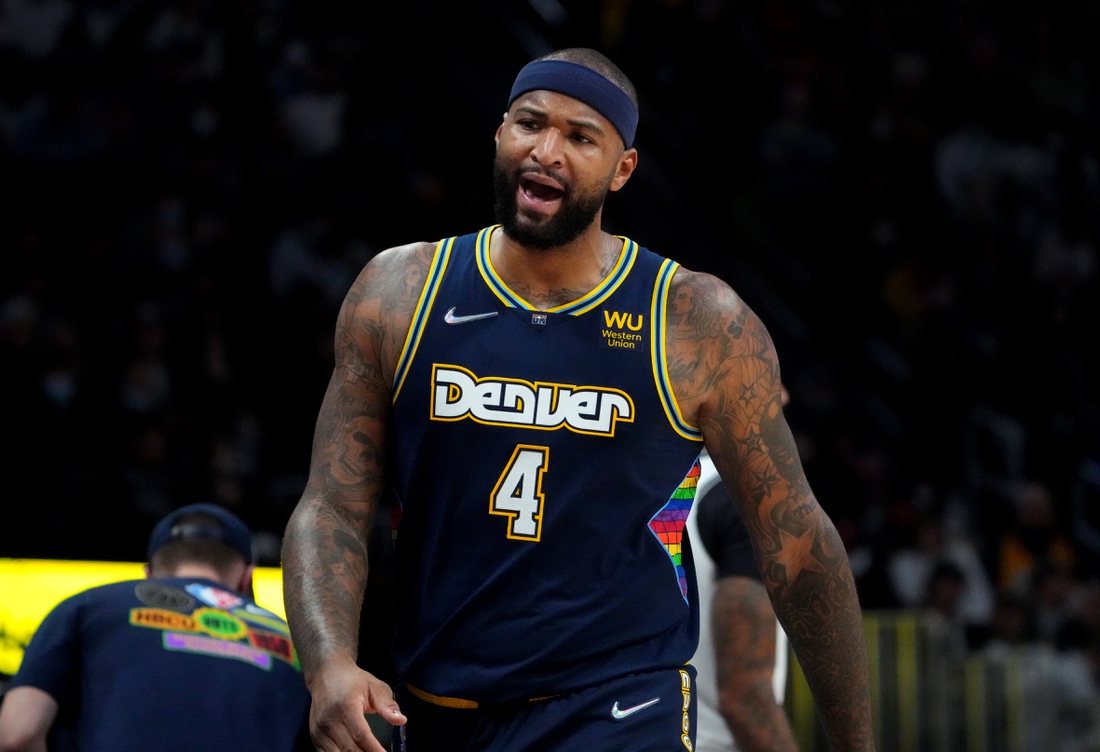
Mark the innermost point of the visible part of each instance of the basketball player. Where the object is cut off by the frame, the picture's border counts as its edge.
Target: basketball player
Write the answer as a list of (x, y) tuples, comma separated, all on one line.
[(538, 394)]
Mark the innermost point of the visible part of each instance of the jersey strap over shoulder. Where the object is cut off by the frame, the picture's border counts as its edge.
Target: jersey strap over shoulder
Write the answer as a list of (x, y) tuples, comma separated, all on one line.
[(659, 355), (423, 309)]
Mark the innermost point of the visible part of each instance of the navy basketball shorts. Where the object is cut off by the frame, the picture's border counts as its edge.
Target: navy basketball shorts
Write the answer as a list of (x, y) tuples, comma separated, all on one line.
[(647, 712)]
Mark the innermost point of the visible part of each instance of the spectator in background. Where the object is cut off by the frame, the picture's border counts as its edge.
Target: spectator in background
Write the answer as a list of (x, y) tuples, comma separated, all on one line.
[(184, 660), (1062, 697), (910, 570), (1034, 539), (946, 585), (1056, 597), (1013, 626)]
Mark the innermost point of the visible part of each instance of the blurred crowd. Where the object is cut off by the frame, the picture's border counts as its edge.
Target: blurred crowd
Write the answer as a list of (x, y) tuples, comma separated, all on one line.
[(906, 192)]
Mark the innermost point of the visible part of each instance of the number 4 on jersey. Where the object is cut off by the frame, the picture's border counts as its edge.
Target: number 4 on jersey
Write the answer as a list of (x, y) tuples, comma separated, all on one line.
[(518, 493)]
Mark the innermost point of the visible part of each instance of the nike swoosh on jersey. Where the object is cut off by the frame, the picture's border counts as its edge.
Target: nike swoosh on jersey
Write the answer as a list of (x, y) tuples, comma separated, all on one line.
[(618, 715), (450, 317)]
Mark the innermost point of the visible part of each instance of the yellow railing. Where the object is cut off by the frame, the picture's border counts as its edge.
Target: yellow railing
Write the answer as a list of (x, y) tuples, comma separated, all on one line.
[(927, 697)]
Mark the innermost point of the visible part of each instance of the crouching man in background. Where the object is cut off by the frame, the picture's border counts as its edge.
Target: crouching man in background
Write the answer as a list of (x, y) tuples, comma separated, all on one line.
[(183, 660)]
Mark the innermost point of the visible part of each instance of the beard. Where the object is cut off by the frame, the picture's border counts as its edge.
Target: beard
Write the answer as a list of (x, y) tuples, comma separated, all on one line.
[(575, 215)]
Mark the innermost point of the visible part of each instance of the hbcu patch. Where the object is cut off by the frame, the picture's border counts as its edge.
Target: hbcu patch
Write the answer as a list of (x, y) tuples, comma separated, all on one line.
[(159, 618)]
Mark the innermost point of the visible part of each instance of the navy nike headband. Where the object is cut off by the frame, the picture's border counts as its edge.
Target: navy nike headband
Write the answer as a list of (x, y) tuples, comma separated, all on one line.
[(583, 84)]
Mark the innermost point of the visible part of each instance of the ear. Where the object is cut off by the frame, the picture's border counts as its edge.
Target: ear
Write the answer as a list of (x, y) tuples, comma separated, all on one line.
[(496, 138), (627, 164)]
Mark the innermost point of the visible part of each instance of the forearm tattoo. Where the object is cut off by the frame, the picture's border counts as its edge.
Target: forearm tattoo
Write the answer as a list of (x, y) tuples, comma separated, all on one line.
[(325, 549)]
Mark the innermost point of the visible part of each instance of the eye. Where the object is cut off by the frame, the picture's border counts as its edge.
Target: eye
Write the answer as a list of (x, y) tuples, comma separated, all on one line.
[(527, 124), (580, 138)]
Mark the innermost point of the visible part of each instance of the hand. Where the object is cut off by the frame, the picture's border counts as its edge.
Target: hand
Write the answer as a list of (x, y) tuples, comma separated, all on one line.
[(342, 694)]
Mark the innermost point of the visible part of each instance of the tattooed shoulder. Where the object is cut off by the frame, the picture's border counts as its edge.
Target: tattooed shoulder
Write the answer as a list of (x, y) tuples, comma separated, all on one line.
[(714, 341), (378, 308)]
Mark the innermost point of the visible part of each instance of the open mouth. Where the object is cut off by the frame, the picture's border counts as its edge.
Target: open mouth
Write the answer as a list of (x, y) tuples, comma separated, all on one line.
[(539, 192)]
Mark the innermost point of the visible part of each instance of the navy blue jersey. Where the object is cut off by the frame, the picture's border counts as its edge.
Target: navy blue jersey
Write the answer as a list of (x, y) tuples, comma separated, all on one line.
[(545, 474), (168, 664), (650, 712)]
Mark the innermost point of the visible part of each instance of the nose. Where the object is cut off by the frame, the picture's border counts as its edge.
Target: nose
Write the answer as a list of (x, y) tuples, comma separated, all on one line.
[(548, 149)]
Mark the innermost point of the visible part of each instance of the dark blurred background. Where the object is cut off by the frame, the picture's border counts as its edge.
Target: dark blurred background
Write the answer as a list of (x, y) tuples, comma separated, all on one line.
[(906, 192)]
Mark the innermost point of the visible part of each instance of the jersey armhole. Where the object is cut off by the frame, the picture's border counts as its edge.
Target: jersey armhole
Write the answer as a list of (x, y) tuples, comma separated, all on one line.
[(420, 313), (658, 306)]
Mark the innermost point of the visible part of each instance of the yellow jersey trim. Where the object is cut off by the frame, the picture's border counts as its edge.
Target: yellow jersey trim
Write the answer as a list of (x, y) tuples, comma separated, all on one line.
[(658, 354), (458, 702), (488, 273), (446, 702), (420, 314), (623, 265)]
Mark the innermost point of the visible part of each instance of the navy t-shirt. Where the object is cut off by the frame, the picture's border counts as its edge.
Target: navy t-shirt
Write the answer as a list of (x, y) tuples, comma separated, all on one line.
[(168, 664)]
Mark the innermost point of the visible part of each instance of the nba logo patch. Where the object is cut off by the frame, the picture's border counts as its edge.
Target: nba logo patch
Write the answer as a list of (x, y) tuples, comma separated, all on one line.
[(538, 318), (213, 596)]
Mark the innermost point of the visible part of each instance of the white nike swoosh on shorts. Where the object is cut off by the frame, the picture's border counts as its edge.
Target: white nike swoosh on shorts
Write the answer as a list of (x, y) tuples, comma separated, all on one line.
[(618, 715), (450, 317)]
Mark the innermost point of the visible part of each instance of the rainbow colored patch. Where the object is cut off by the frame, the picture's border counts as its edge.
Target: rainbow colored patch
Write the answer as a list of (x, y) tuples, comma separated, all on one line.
[(668, 524)]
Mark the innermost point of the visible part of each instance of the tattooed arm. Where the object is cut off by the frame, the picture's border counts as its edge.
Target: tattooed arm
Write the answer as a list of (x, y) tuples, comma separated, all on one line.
[(743, 628), (726, 377), (325, 548)]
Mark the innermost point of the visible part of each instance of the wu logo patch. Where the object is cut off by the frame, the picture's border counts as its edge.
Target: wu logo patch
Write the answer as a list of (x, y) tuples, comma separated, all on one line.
[(620, 329), (618, 320)]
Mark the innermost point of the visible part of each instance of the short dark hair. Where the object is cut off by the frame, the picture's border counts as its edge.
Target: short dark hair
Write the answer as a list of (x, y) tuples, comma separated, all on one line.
[(598, 62), (224, 559)]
